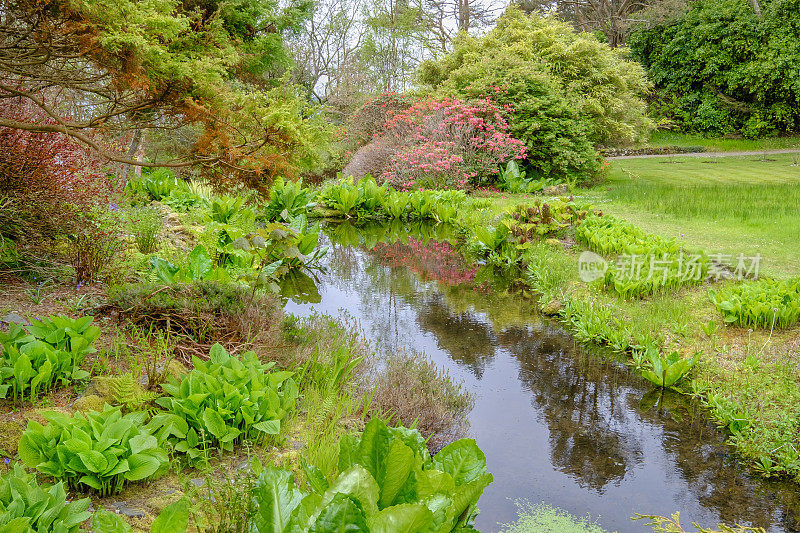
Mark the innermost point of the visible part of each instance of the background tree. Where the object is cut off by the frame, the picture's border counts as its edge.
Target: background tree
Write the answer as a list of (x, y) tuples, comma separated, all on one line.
[(566, 92), (99, 72), (722, 66)]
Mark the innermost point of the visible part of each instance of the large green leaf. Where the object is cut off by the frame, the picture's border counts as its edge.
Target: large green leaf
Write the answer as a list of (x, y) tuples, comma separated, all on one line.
[(404, 518), (277, 498), (173, 519), (398, 464), (343, 514), (358, 483), (462, 459)]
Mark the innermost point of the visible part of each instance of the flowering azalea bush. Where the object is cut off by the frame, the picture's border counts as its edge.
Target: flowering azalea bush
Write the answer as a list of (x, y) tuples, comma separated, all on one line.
[(448, 144)]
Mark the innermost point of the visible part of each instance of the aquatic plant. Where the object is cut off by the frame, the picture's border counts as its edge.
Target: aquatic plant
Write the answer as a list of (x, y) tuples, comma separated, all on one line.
[(765, 303), (27, 507), (223, 401), (48, 350)]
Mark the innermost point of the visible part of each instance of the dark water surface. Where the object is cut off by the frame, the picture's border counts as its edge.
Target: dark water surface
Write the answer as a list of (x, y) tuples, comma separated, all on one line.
[(558, 423)]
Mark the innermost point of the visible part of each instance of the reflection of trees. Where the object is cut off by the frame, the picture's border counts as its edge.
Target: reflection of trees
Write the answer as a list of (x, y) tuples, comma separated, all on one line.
[(578, 397), (710, 470), (590, 406), (466, 340)]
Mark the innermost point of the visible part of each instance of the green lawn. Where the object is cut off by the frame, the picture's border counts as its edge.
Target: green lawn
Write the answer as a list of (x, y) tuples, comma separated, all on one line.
[(717, 144), (736, 205)]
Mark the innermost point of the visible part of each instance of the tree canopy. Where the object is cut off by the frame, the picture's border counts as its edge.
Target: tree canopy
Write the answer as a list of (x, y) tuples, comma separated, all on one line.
[(565, 91), (98, 71), (726, 65)]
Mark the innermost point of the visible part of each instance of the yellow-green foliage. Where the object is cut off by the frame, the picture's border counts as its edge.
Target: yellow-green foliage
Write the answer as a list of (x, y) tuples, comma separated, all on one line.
[(568, 91)]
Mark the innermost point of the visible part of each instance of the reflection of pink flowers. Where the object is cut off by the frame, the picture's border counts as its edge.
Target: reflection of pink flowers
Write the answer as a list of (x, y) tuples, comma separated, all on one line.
[(434, 261)]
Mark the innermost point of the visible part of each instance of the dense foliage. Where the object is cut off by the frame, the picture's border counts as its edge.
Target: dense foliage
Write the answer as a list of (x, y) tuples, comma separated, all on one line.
[(27, 507), (565, 92), (646, 263), (47, 351), (387, 482), (96, 450), (207, 69), (367, 200), (765, 303), (223, 401), (719, 67)]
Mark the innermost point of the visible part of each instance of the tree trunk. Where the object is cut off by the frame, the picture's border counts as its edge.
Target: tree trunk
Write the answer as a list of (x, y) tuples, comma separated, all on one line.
[(133, 149)]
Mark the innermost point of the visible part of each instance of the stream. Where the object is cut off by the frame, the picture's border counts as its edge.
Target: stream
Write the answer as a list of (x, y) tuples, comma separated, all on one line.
[(559, 423)]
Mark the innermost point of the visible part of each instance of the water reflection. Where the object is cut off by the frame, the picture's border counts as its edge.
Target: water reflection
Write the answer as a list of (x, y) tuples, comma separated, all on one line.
[(557, 423)]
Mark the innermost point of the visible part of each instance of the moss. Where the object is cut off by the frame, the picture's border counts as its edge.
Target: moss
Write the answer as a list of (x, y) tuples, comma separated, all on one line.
[(90, 402), (10, 432)]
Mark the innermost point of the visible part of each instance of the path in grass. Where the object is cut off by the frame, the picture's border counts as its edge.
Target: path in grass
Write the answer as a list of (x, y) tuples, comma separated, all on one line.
[(737, 205), (711, 155)]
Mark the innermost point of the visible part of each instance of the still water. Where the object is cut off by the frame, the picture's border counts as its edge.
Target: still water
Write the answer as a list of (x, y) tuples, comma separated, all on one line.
[(558, 423)]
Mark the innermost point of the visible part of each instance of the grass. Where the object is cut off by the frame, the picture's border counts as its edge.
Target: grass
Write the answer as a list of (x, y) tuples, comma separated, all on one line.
[(738, 205), (543, 518), (718, 144)]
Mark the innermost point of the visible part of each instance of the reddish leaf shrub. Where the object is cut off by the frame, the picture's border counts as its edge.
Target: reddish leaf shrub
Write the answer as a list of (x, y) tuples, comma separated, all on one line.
[(54, 190), (448, 144)]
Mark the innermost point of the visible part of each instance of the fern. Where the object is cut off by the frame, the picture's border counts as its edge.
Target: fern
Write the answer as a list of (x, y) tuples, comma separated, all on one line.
[(126, 391)]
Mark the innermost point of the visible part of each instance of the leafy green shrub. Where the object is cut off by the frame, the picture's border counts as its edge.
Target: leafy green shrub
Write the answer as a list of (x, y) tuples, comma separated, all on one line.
[(666, 371), (387, 482), (367, 200), (157, 184), (48, 350), (720, 67), (224, 208), (100, 451), (513, 179), (566, 91), (145, 224), (288, 199), (198, 267), (222, 401), (764, 303), (647, 263), (26, 507)]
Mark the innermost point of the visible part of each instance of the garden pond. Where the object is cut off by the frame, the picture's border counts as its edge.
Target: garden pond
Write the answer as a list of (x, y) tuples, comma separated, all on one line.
[(559, 423)]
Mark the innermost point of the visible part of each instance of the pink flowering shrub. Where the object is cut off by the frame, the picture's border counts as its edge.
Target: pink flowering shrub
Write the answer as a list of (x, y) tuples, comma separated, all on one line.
[(448, 144)]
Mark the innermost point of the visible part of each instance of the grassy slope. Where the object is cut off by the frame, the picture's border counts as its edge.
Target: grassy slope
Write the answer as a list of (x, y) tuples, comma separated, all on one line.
[(734, 206), (723, 145)]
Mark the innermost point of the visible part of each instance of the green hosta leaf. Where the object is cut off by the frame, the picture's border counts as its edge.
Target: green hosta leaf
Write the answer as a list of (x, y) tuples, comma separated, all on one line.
[(270, 427), (142, 466), (107, 522), (214, 423)]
